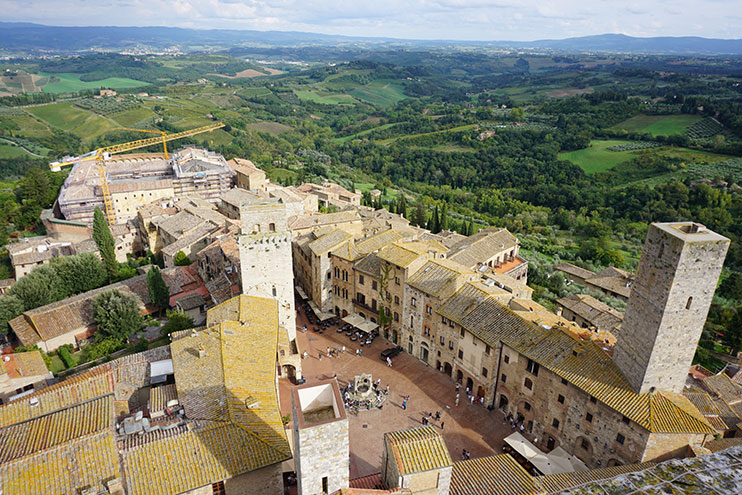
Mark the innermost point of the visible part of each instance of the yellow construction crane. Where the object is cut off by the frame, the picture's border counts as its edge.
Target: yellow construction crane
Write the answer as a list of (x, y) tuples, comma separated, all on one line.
[(102, 154)]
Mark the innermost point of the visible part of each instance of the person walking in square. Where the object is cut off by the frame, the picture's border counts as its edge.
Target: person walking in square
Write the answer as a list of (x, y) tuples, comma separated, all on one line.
[(437, 415), (442, 423), (404, 404), (389, 361), (457, 399)]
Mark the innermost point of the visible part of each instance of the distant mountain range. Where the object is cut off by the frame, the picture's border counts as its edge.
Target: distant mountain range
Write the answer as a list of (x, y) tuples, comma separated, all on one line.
[(36, 39)]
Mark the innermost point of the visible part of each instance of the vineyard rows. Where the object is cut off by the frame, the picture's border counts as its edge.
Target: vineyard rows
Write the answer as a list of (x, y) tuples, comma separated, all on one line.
[(106, 106), (704, 129), (634, 145)]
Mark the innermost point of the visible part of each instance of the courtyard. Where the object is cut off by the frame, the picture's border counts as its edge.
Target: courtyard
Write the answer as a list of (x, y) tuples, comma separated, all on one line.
[(466, 426)]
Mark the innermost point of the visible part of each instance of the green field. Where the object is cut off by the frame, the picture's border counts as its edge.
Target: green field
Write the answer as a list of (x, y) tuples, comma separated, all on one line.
[(129, 118), (65, 116), (363, 133), (69, 83), (29, 126), (656, 125), (325, 98), (379, 93), (274, 128), (7, 150), (597, 158)]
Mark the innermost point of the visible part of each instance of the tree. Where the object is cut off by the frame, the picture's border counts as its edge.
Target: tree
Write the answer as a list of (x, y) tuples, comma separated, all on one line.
[(80, 273), (177, 320), (40, 287), (443, 223), (182, 259), (420, 214), (402, 205), (731, 287), (117, 315), (159, 292), (104, 241), (10, 307)]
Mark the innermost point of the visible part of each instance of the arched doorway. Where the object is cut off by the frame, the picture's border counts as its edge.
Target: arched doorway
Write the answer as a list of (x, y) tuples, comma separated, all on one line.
[(394, 336), (459, 376), (424, 352), (337, 311), (289, 372), (583, 450), (480, 391), (447, 369), (503, 403), (469, 383), (345, 313), (550, 443)]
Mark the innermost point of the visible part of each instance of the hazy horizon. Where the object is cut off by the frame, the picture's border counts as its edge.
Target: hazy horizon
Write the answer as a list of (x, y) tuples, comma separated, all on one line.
[(464, 20)]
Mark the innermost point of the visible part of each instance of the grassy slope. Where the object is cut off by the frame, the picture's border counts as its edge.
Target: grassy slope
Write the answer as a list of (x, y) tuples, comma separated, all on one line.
[(71, 82), (379, 93), (7, 150), (597, 158), (326, 99)]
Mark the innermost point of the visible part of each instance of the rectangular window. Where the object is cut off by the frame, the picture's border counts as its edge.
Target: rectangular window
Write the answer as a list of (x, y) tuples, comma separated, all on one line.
[(528, 384), (564, 381), (396, 280), (443, 341), (626, 420), (218, 488), (413, 301), (620, 439), (409, 348), (555, 423), (593, 399), (463, 333), (396, 299), (461, 354), (444, 320), (560, 399), (374, 285), (412, 321), (426, 331), (484, 372), (325, 485), (504, 378), (507, 359), (526, 406), (589, 417), (451, 324), (487, 350), (396, 316), (532, 367), (360, 279), (450, 344)]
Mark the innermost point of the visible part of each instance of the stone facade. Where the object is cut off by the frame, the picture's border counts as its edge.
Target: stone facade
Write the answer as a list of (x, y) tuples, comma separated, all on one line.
[(669, 302), (266, 268), (321, 448)]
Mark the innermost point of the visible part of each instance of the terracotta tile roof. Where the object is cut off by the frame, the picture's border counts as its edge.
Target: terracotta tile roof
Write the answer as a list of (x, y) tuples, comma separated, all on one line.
[(29, 363), (347, 251), (418, 449), (496, 475), (586, 366), (328, 242), (301, 222), (437, 277), (593, 311), (46, 432), (557, 483), (160, 396), (703, 403), (65, 470), (403, 253), (723, 387), (370, 482), (571, 269), (378, 241), (468, 297), (78, 388), (482, 246), (723, 444), (370, 265)]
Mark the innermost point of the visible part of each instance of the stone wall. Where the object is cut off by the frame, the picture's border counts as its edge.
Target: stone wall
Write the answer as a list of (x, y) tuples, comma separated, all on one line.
[(668, 305), (322, 451)]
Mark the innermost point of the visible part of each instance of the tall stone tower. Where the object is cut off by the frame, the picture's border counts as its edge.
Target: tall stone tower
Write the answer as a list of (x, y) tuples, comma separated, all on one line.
[(669, 302), (267, 271)]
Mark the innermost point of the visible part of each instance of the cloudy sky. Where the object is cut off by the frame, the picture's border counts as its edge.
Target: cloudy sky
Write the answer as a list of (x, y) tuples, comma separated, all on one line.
[(420, 19)]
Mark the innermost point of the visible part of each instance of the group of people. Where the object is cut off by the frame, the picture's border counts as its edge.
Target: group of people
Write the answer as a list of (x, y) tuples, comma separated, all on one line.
[(436, 417), (469, 395), (513, 422)]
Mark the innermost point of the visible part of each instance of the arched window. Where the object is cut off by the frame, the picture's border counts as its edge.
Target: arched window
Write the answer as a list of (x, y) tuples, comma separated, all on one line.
[(272, 227), (688, 304)]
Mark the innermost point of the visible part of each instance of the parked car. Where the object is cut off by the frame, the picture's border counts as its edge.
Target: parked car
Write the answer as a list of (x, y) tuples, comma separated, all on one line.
[(390, 353)]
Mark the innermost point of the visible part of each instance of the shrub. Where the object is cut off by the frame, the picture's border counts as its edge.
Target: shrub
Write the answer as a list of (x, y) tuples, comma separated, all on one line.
[(181, 259), (177, 320), (66, 356)]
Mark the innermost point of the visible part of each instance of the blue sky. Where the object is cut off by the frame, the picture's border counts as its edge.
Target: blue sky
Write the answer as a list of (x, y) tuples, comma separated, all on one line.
[(421, 19)]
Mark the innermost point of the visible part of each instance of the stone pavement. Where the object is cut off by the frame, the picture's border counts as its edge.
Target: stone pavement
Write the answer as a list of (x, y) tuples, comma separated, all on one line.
[(466, 426)]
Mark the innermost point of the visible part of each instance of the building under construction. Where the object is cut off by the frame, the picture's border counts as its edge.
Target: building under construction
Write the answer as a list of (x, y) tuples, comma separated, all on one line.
[(140, 178)]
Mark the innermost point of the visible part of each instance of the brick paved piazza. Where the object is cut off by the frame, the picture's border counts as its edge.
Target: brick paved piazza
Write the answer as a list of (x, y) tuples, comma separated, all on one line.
[(467, 426)]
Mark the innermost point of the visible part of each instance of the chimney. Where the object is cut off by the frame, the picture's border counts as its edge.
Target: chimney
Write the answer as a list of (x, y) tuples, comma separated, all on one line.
[(201, 351)]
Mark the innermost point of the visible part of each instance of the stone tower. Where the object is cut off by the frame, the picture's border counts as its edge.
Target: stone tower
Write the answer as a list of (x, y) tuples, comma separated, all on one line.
[(669, 302), (321, 448), (267, 270)]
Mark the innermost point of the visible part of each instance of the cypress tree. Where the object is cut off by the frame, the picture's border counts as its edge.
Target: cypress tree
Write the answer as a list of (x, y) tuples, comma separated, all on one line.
[(443, 224), (106, 245), (159, 292)]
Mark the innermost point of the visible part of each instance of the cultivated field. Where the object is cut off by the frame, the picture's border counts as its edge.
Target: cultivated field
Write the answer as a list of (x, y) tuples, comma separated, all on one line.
[(325, 98), (379, 93), (656, 125), (68, 83), (597, 157)]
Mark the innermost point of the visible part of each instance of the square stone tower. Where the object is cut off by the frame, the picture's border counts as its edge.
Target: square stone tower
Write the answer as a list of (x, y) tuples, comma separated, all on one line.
[(265, 257), (669, 302), (321, 448)]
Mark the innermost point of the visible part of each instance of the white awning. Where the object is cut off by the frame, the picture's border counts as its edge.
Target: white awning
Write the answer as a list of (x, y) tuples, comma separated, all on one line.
[(159, 370), (301, 292), (319, 313), (545, 463), (367, 326), (354, 320)]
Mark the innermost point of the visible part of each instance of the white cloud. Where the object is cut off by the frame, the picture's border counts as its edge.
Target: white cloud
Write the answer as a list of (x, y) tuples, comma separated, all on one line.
[(429, 19)]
